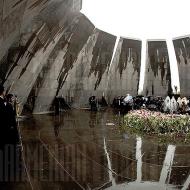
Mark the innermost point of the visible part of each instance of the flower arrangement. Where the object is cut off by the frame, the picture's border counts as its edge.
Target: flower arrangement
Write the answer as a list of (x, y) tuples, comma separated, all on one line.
[(157, 123)]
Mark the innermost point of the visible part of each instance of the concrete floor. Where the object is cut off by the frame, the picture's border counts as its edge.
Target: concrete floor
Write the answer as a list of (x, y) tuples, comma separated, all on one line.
[(85, 150)]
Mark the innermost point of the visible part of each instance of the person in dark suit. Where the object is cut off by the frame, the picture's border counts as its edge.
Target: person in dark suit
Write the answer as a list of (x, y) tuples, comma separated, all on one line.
[(10, 152), (57, 105), (93, 103), (3, 116), (8, 125), (13, 135)]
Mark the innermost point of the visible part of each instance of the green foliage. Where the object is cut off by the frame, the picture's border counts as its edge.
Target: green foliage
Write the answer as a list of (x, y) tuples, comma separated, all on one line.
[(157, 124)]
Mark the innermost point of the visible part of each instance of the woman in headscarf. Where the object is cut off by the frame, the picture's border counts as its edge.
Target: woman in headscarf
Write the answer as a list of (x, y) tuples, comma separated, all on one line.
[(167, 105), (174, 105)]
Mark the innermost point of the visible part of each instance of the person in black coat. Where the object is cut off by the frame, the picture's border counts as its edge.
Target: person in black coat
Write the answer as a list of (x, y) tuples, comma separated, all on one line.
[(93, 103), (8, 126), (3, 117), (10, 153), (57, 105), (13, 136)]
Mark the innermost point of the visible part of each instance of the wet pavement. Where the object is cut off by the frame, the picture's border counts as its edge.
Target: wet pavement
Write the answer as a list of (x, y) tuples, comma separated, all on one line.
[(86, 150)]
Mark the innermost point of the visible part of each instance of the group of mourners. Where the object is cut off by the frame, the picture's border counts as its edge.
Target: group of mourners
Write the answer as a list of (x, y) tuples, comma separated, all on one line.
[(8, 112), (172, 104)]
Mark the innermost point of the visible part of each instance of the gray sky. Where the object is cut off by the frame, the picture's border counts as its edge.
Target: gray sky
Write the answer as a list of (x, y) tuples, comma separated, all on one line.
[(144, 19)]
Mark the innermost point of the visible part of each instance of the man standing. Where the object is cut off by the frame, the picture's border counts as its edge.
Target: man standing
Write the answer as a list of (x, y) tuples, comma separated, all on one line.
[(13, 136), (8, 125), (10, 155), (3, 116)]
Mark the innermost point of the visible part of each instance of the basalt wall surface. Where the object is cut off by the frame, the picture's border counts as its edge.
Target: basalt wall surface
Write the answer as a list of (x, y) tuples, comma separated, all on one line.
[(157, 73), (182, 50), (48, 48), (125, 69)]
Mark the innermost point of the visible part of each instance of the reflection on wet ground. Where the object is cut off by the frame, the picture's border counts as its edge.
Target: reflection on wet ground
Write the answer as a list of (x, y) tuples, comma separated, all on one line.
[(86, 150)]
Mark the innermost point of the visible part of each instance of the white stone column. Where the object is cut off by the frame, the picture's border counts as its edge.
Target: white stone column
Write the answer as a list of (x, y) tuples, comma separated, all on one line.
[(143, 66), (186, 184), (139, 159), (111, 178), (173, 67), (167, 165)]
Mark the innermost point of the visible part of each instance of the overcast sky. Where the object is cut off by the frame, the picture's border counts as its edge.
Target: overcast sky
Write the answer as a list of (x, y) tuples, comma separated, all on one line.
[(144, 19)]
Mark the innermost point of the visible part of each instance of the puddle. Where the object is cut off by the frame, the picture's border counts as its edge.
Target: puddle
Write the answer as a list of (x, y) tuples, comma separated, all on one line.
[(84, 150)]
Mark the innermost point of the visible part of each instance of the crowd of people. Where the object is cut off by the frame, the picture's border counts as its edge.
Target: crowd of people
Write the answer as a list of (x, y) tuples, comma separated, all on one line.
[(8, 112), (172, 104)]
